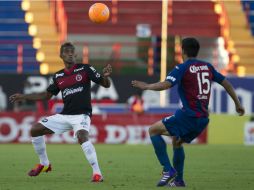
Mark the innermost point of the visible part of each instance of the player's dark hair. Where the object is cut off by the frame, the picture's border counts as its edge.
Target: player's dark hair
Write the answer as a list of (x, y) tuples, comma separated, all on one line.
[(66, 44), (190, 47)]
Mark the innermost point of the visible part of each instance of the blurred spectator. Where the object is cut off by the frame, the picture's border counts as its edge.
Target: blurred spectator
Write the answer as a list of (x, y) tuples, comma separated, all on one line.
[(136, 103), (3, 100)]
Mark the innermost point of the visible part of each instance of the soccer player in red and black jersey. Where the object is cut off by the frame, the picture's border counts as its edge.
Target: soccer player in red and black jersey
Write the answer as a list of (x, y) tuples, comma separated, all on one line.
[(74, 82)]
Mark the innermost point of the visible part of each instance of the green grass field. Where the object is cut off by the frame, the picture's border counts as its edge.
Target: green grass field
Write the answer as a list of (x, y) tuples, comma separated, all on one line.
[(127, 167)]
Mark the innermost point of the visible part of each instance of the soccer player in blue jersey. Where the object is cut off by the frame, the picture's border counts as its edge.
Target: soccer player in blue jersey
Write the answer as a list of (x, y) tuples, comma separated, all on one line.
[(194, 78)]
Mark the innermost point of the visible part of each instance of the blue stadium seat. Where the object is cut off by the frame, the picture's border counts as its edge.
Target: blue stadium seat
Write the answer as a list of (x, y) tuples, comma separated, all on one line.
[(14, 31), (21, 38), (14, 27), (8, 68), (249, 3), (7, 3), (31, 68)]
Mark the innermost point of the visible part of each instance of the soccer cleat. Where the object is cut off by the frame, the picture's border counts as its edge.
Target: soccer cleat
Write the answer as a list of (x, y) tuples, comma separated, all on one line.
[(97, 178), (167, 177), (38, 169), (177, 184)]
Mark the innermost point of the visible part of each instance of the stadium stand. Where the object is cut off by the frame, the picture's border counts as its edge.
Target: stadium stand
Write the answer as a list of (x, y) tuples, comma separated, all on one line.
[(117, 39), (16, 51), (127, 16), (241, 35), (194, 18), (47, 33), (248, 7)]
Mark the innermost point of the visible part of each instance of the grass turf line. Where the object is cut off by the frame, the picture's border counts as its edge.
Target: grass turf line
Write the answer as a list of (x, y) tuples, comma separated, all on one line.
[(126, 167)]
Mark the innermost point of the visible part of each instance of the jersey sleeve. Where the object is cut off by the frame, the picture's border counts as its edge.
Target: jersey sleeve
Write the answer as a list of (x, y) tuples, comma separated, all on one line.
[(52, 88), (175, 75), (217, 77), (93, 74)]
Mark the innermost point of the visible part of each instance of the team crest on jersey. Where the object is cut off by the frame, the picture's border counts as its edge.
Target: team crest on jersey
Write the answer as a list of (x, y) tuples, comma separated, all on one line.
[(78, 77)]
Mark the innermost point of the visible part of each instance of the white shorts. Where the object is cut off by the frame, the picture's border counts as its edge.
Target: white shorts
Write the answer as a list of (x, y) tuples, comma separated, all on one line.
[(61, 123)]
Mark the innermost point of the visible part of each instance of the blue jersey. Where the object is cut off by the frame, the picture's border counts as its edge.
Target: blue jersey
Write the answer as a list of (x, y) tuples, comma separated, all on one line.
[(194, 79)]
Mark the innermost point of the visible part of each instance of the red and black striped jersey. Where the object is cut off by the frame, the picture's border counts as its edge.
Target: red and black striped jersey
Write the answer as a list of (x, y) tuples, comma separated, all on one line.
[(75, 86)]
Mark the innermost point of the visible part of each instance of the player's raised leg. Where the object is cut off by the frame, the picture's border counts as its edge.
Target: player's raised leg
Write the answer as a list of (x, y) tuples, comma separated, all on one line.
[(90, 154), (160, 148), (38, 141)]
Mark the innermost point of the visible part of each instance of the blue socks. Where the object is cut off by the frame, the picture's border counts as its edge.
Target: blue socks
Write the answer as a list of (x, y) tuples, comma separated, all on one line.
[(160, 148), (178, 161)]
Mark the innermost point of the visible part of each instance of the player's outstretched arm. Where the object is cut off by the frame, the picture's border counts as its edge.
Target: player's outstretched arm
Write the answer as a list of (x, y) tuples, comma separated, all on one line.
[(230, 90), (37, 96), (106, 73), (153, 86)]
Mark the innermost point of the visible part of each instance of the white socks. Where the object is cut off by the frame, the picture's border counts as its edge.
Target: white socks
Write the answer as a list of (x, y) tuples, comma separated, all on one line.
[(88, 148), (91, 156), (40, 149)]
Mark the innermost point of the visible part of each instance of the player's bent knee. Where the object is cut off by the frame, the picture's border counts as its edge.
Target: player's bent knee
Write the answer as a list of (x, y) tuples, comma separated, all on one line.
[(155, 130), (158, 129), (176, 142), (82, 136), (39, 130), (36, 130), (152, 131), (33, 131)]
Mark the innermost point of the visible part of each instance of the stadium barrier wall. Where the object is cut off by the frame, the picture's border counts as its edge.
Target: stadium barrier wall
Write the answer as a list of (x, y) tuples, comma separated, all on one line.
[(108, 128), (121, 90), (230, 129), (128, 128)]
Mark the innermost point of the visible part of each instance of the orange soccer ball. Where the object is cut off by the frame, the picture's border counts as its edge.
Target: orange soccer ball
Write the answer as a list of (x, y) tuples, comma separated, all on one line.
[(99, 13)]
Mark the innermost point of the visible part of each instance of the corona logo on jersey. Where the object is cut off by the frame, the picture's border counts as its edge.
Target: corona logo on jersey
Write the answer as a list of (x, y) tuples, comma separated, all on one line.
[(194, 69), (69, 91)]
